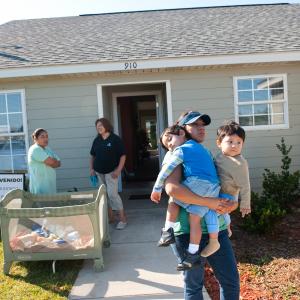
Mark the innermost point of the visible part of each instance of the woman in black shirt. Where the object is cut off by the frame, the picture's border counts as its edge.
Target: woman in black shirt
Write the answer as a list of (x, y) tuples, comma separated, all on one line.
[(107, 161)]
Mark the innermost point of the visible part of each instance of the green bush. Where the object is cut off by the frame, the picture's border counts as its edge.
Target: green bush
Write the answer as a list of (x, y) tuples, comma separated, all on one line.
[(280, 190), (265, 214), (284, 186)]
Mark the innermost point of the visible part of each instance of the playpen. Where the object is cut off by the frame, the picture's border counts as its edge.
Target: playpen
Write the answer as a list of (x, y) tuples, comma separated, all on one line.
[(54, 227)]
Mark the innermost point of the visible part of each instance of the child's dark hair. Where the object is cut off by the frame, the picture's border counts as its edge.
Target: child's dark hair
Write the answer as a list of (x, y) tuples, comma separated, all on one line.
[(230, 128), (174, 129)]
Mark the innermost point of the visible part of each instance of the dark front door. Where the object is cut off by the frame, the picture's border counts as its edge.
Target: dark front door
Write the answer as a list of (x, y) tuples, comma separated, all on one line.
[(138, 124)]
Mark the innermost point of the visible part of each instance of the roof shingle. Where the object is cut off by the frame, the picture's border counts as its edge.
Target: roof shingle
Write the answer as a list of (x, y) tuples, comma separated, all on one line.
[(150, 34)]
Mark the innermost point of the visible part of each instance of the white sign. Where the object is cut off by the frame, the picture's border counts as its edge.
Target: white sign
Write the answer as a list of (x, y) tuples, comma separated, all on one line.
[(9, 182)]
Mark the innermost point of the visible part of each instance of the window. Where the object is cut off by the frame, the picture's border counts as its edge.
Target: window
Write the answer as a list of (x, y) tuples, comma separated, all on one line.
[(12, 132), (261, 101)]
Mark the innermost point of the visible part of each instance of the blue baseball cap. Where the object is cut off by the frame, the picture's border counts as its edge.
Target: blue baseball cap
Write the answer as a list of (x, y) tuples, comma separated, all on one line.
[(192, 117)]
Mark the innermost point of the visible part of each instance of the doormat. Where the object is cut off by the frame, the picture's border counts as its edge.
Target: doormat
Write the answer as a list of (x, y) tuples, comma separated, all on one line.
[(139, 197)]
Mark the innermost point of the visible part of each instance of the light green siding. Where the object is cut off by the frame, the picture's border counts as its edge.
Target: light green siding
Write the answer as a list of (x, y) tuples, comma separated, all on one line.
[(211, 91), (68, 106)]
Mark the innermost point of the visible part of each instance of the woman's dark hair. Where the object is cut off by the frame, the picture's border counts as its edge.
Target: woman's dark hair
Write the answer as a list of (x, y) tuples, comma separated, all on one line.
[(105, 123), (37, 133), (230, 128), (174, 129)]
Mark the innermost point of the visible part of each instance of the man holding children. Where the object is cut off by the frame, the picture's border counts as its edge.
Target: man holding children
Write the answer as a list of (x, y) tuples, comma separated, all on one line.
[(192, 178)]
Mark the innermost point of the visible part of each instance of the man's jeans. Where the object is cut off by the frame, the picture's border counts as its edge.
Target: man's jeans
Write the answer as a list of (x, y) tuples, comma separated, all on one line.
[(223, 263)]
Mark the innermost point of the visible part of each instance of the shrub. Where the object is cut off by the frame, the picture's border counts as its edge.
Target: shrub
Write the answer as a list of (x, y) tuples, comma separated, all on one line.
[(280, 190), (283, 187), (265, 214)]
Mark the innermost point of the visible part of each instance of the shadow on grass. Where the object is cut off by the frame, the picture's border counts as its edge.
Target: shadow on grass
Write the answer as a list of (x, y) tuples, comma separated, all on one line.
[(40, 273)]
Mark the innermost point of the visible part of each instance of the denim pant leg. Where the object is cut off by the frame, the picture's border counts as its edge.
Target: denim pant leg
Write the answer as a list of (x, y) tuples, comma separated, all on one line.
[(193, 279), (225, 268), (231, 198), (223, 263), (212, 222), (227, 219)]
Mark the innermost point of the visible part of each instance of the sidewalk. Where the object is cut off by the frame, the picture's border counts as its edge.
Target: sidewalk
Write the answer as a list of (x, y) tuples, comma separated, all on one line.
[(134, 267)]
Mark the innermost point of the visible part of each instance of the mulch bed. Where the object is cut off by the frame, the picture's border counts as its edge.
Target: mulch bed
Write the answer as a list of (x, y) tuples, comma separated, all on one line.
[(269, 265)]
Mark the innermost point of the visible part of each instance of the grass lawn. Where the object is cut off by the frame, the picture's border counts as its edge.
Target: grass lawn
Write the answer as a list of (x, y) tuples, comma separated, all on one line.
[(35, 280)]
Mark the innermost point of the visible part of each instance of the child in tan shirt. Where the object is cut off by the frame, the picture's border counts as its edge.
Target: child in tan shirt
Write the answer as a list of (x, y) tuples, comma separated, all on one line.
[(233, 168)]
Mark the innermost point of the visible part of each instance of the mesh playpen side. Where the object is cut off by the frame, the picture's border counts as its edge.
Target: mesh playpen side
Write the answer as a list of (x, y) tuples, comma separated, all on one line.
[(54, 227)]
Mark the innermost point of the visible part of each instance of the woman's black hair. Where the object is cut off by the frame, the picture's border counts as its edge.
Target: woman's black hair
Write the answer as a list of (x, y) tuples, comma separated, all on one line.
[(37, 133), (174, 129)]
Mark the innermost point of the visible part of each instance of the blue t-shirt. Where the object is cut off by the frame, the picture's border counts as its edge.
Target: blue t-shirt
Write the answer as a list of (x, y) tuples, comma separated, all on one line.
[(198, 162), (42, 178)]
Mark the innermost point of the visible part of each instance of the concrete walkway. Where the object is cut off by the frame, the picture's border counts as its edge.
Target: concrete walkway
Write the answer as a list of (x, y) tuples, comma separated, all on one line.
[(134, 267)]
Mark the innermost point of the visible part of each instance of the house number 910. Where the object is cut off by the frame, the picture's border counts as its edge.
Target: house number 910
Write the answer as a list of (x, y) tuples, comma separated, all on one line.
[(130, 65)]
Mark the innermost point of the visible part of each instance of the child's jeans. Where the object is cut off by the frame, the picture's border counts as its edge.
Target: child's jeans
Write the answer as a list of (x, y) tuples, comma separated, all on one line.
[(231, 198), (206, 189)]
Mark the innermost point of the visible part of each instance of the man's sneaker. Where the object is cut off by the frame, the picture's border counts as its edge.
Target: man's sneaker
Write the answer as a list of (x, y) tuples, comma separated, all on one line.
[(121, 225), (167, 238), (190, 261)]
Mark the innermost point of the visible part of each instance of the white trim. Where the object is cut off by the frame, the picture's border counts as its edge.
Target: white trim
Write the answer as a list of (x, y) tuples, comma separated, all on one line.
[(285, 102), (100, 101), (265, 127), (25, 123), (24, 118), (169, 103), (136, 93), (115, 114), (157, 63), (156, 93), (168, 96), (258, 76), (132, 82)]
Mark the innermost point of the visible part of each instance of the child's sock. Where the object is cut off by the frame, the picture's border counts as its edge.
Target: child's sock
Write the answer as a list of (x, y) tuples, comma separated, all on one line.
[(193, 248), (169, 224), (212, 247)]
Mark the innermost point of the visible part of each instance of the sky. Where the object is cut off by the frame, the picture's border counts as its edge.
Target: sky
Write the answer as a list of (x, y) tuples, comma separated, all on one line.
[(34, 9)]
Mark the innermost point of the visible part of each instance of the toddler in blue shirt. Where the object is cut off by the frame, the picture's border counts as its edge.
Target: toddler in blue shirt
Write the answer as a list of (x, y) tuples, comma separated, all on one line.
[(200, 176)]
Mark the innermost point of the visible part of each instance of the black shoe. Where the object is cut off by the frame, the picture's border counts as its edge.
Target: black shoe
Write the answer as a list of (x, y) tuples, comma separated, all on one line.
[(190, 261), (167, 238)]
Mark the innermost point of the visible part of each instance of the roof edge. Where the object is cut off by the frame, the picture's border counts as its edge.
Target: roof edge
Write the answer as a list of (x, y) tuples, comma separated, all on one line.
[(146, 64), (183, 8)]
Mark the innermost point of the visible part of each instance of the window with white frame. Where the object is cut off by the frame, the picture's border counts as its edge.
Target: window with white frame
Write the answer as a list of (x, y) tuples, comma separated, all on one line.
[(261, 101), (12, 132)]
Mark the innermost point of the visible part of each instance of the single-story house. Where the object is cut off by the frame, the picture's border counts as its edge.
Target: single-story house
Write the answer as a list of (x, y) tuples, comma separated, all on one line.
[(141, 70)]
